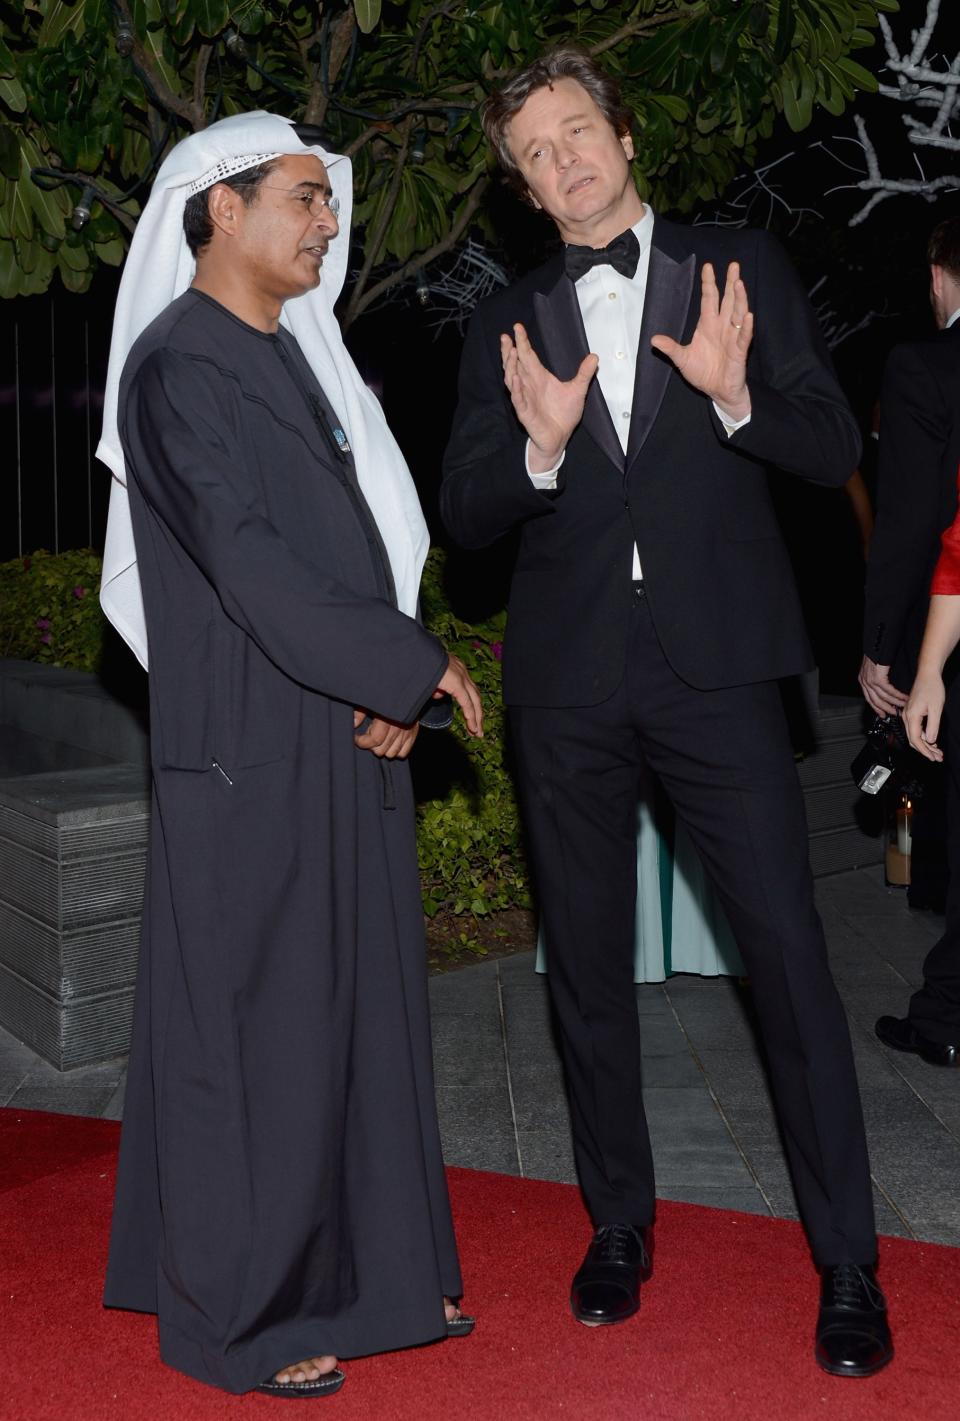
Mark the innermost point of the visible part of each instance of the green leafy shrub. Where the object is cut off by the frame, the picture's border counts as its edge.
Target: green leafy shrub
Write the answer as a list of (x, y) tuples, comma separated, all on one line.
[(470, 842), (50, 610)]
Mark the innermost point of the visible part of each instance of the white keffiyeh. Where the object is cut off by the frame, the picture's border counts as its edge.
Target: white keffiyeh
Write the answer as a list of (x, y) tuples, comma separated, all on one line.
[(159, 268)]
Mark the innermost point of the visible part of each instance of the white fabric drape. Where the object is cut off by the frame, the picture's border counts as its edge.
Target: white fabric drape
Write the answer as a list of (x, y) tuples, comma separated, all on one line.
[(159, 268)]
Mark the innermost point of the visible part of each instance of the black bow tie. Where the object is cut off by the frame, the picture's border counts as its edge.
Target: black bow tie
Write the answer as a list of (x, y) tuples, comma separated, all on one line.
[(623, 254)]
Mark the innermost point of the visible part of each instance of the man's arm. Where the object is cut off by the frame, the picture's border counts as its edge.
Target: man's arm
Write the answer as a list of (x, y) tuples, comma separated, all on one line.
[(318, 631), (486, 488), (800, 421), (914, 431), (925, 706)]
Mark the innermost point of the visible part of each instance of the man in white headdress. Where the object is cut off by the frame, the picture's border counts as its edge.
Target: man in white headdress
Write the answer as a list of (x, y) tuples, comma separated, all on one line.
[(280, 1201)]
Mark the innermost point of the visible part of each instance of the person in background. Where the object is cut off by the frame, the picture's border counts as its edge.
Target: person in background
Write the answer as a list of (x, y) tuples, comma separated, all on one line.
[(918, 454)]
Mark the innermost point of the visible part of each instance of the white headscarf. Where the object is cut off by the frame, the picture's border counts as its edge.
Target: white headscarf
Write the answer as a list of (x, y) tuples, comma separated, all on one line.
[(159, 268)]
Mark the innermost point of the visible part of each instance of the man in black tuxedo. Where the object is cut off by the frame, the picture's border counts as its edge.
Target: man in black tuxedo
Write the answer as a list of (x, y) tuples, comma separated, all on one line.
[(916, 503), (627, 428)]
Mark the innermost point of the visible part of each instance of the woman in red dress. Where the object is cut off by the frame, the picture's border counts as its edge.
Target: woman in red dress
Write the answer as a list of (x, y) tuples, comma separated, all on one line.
[(924, 708)]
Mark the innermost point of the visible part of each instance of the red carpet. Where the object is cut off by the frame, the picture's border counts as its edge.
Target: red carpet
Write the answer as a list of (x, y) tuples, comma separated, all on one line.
[(724, 1333)]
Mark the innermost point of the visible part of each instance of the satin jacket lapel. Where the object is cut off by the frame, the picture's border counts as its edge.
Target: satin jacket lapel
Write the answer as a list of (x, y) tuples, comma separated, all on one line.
[(665, 308), (565, 344)]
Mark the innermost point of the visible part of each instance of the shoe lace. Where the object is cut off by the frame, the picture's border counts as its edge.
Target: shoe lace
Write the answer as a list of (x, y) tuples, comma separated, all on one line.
[(852, 1286), (613, 1241)]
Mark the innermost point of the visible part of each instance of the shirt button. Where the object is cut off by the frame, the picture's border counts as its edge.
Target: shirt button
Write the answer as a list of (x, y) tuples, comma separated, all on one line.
[(624, 414), (619, 354), (611, 296)]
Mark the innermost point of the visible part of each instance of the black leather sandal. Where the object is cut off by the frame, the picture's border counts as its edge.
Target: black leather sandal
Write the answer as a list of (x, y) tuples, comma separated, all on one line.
[(326, 1385), (460, 1326)]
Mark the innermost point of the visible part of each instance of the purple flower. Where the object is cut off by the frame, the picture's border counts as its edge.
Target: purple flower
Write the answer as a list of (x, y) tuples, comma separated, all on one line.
[(46, 638), (42, 623), (497, 649), (79, 592)]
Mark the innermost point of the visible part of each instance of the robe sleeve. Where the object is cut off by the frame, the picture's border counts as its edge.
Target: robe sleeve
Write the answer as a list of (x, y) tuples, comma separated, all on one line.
[(354, 648)]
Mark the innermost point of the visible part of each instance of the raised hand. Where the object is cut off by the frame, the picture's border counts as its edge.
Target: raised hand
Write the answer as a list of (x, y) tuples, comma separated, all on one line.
[(715, 361), (549, 409)]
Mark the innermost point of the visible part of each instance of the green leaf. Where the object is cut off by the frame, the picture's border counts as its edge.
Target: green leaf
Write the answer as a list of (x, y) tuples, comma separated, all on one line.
[(368, 14), (48, 207), (74, 278), (860, 76), (11, 93), (786, 28), (210, 16), (9, 152), (61, 19)]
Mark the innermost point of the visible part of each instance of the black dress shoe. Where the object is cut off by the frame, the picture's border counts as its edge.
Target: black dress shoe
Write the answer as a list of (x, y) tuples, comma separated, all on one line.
[(902, 1035), (607, 1286), (853, 1336)]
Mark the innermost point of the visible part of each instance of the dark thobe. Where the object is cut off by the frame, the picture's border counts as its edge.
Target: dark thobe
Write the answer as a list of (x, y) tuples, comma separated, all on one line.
[(281, 1190)]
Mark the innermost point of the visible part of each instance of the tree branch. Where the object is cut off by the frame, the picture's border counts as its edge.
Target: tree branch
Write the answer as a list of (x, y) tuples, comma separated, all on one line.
[(376, 240), (641, 27), (321, 86), (154, 82), (358, 304), (200, 76)]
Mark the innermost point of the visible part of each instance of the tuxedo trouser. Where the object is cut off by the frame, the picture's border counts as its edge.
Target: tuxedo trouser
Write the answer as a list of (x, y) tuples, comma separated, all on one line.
[(935, 1009), (725, 760)]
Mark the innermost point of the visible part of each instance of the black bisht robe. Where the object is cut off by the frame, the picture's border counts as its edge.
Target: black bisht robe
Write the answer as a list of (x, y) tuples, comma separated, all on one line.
[(281, 1190)]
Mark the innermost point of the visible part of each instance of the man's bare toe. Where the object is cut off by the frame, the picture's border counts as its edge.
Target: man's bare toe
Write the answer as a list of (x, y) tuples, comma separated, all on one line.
[(309, 1370)]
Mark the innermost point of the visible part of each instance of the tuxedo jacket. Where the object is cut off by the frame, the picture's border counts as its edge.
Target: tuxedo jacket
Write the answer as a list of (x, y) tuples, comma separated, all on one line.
[(696, 503), (916, 496)]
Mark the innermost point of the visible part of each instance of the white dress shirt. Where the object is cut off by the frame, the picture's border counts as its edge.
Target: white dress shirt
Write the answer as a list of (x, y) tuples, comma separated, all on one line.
[(612, 310)]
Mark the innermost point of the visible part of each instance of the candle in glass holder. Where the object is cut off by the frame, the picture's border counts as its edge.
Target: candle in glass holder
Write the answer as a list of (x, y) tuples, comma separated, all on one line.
[(904, 827)]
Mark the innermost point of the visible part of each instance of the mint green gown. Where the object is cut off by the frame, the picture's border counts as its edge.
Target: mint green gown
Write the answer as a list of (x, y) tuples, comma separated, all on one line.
[(680, 926)]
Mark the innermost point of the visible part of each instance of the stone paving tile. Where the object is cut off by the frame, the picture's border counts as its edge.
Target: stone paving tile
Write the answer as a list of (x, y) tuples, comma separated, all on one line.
[(518, 971), (663, 1036), (10, 1082), (465, 993), (916, 1162), (113, 1110), (467, 1048), (744, 1199), (481, 1151), (471, 1115), (105, 1073), (885, 933), (734, 1075), (676, 1070), (14, 1052), (547, 1154), (538, 1104), (62, 1100), (652, 1000), (874, 1070), (691, 1143), (753, 1122)]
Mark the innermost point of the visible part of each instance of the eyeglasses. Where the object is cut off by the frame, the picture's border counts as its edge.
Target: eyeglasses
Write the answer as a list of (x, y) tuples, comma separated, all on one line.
[(311, 199)]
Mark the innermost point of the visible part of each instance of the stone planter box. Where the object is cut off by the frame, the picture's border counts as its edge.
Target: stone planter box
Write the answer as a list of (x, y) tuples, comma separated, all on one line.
[(74, 813)]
